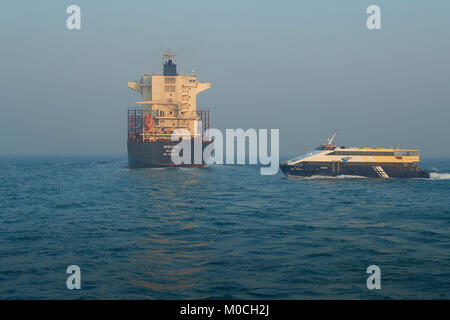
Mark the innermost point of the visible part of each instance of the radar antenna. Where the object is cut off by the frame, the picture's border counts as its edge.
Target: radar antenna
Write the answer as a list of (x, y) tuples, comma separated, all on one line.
[(330, 140), (169, 55), (169, 66)]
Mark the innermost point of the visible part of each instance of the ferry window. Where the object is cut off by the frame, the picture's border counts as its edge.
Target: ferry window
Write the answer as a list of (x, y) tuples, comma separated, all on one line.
[(170, 80), (361, 153), (406, 153), (170, 88)]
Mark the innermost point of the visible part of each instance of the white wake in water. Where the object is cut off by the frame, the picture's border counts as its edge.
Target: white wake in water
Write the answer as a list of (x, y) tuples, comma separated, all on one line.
[(439, 176)]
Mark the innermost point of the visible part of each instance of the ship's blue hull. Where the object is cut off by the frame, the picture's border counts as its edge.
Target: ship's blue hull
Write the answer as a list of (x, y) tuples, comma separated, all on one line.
[(371, 170)]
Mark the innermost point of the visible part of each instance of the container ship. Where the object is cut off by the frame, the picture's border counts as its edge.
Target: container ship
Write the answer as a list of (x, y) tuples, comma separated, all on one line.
[(169, 102), (329, 160)]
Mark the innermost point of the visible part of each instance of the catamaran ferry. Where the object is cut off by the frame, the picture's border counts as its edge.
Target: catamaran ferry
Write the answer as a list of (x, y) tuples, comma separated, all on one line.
[(329, 160)]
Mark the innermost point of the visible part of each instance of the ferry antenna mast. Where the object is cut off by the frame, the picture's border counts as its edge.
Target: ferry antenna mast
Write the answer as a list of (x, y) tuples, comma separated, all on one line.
[(330, 140)]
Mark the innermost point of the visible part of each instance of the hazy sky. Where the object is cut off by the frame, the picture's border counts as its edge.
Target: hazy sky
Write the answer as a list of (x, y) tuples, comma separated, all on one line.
[(305, 67)]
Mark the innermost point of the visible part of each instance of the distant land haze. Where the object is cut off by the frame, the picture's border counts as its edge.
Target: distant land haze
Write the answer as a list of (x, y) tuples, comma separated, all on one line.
[(303, 67)]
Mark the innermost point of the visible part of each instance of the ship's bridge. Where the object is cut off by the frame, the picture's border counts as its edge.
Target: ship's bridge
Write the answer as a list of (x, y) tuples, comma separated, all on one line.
[(326, 147)]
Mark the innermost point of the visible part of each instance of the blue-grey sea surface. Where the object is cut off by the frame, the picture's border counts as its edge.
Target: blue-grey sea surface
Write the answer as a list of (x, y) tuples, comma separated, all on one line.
[(222, 232)]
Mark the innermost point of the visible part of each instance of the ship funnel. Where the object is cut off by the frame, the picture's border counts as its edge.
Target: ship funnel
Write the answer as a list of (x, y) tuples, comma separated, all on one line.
[(169, 67)]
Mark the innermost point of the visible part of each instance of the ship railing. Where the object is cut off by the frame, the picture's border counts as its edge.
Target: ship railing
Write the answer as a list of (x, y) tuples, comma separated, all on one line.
[(134, 124), (166, 136), (203, 117)]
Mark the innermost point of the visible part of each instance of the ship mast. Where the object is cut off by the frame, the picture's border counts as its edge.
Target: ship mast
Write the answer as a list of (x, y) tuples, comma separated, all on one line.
[(170, 66), (169, 55), (330, 140)]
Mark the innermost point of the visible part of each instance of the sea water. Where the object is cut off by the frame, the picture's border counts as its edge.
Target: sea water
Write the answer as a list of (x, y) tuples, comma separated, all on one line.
[(222, 232)]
